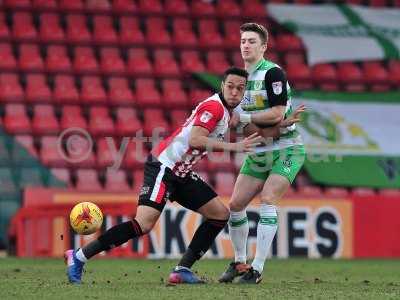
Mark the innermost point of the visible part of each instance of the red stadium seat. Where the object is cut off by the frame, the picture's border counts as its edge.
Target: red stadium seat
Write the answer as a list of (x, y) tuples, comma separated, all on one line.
[(232, 34), (44, 4), (79, 150), (325, 77), (216, 62), (146, 93), (130, 32), (127, 123), (92, 91), (72, 117), (105, 152), (103, 32), (71, 5), (292, 58), (173, 94), (44, 120), (350, 77), (377, 3), (139, 63), (87, 180), (65, 90), (149, 7), (50, 28), (4, 30), (135, 154), (224, 183), (228, 8), (288, 43), (390, 193), (29, 58), (154, 123), (211, 39), (17, 3), (364, 192), (207, 25), (111, 61), (77, 30), (16, 120), (124, 6), (191, 62), (7, 59), (310, 191), (158, 37), (336, 192), (184, 38), (178, 118), (300, 76), (196, 96), (116, 181), (23, 28), (202, 9), (100, 123), (181, 23), (176, 8), (62, 175), (57, 59), (119, 92), (237, 59), (50, 152), (253, 9), (98, 6), (10, 88), (85, 61), (156, 23), (376, 77), (37, 89)]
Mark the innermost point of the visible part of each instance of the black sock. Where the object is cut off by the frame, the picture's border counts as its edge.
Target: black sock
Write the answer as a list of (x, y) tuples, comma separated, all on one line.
[(201, 242), (113, 237)]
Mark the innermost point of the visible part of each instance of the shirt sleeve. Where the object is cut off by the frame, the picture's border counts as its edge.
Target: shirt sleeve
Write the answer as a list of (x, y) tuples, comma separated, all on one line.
[(208, 115), (276, 86)]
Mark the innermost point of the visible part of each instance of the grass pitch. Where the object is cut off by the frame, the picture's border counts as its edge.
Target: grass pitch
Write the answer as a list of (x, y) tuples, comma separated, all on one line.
[(146, 279)]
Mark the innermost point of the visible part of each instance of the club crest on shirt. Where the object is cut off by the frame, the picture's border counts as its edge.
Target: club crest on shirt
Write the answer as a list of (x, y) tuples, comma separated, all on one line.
[(277, 87), (206, 116)]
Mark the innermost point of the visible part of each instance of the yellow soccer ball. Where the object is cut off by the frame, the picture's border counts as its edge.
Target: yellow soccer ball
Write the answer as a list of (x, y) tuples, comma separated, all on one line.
[(86, 218)]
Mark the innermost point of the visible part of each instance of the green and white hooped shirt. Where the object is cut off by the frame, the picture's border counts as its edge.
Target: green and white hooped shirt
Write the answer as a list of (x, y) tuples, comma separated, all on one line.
[(255, 100)]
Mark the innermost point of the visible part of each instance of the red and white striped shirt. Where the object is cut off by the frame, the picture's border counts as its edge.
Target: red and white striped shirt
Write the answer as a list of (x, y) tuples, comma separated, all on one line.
[(175, 151)]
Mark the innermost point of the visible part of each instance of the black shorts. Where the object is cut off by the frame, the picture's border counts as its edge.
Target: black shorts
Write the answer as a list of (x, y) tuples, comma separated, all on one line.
[(161, 184)]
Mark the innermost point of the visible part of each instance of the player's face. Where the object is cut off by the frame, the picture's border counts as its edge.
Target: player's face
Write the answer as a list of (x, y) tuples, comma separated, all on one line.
[(251, 46), (233, 89)]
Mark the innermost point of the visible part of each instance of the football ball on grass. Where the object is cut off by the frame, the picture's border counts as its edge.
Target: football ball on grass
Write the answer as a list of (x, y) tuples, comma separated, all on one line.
[(86, 218)]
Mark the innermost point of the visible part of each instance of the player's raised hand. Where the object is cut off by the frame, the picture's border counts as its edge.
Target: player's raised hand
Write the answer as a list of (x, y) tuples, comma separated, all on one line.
[(249, 143), (294, 117)]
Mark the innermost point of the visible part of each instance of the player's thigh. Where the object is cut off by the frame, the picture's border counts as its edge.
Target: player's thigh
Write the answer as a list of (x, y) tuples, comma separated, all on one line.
[(214, 209), (147, 217), (193, 193), (246, 188), (274, 189)]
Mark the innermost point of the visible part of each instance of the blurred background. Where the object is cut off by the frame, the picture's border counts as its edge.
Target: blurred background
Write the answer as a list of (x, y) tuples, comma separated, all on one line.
[(112, 68)]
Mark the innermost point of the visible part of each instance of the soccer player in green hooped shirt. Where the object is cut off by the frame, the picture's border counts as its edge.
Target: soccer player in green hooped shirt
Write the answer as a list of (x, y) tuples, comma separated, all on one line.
[(275, 165)]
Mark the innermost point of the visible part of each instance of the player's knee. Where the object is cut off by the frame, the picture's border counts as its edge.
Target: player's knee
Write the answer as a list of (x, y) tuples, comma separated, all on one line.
[(269, 199), (223, 213), (145, 224), (236, 206)]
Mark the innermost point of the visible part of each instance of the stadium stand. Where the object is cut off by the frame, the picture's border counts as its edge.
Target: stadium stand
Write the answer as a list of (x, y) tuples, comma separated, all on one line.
[(118, 66)]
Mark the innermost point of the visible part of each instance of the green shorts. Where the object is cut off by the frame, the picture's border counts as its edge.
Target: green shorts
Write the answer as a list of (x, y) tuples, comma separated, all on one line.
[(286, 162)]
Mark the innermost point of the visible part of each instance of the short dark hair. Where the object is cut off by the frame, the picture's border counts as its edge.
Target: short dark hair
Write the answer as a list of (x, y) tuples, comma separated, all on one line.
[(235, 71), (257, 28)]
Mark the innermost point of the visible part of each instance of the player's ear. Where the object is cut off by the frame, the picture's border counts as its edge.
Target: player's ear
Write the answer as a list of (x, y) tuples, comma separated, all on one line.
[(222, 86)]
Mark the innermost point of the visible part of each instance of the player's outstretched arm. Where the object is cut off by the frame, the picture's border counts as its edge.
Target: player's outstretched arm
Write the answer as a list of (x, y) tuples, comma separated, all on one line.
[(199, 140)]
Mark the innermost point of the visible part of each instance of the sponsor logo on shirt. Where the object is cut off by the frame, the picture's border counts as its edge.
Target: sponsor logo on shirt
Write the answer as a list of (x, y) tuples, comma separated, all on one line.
[(206, 116)]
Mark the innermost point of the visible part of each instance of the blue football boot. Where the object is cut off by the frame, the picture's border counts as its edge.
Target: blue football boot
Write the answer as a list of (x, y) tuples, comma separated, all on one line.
[(75, 267), (183, 275)]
